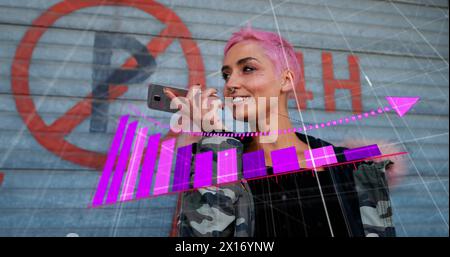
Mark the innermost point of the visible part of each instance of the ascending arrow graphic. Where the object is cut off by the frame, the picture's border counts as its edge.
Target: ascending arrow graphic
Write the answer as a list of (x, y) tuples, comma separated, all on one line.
[(402, 104)]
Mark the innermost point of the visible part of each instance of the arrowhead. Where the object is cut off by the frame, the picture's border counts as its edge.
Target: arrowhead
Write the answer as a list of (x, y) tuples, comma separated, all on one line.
[(402, 104)]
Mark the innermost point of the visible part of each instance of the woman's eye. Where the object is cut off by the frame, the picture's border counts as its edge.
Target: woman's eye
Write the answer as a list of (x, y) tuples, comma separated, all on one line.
[(248, 69), (225, 76)]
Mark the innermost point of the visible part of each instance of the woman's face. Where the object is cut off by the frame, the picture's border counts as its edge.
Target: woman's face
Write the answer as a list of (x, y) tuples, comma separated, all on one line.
[(248, 70)]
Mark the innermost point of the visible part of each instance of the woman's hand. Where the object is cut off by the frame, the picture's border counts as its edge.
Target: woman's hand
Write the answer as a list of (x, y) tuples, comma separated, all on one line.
[(199, 108)]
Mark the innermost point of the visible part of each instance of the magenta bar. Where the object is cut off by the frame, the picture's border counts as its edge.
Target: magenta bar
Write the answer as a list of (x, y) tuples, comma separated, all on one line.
[(203, 169), (284, 160), (121, 164), (162, 178), (133, 167), (181, 178), (320, 157), (227, 166), (107, 169), (148, 168), (362, 152), (254, 164)]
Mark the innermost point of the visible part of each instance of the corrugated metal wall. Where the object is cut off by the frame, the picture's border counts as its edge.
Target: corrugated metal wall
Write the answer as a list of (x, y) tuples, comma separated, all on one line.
[(402, 48)]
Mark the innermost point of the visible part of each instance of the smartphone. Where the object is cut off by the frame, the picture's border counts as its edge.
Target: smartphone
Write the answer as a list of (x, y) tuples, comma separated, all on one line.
[(159, 101)]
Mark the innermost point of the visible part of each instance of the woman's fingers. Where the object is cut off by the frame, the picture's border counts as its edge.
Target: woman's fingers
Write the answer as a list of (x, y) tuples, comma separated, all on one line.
[(176, 102), (193, 91), (208, 96), (207, 101), (193, 96), (209, 92), (169, 93)]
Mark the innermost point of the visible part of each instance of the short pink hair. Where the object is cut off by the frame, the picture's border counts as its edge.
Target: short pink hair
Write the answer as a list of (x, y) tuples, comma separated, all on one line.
[(273, 44)]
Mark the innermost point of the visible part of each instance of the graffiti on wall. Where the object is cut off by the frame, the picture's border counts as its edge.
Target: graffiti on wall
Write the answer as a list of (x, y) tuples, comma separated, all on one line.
[(109, 81), (94, 102), (105, 75)]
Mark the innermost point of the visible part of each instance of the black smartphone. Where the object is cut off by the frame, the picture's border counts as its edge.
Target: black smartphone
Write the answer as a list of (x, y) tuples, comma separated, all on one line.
[(159, 101)]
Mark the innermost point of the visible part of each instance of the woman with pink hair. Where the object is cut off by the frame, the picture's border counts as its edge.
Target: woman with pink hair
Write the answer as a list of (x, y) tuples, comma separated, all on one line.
[(262, 65)]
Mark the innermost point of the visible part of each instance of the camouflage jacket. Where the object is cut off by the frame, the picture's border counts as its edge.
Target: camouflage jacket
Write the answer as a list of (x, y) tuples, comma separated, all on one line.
[(228, 210), (374, 202), (217, 211)]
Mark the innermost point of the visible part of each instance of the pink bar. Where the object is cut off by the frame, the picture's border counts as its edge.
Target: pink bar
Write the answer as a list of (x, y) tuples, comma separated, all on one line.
[(203, 169), (116, 183), (133, 167), (109, 165), (320, 157), (164, 167), (227, 166), (148, 167)]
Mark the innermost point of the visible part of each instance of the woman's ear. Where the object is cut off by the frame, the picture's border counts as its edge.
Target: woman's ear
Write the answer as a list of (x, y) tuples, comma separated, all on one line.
[(287, 83)]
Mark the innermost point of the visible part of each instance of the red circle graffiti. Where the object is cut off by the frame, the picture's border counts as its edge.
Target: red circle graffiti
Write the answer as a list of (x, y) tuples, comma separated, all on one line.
[(52, 137)]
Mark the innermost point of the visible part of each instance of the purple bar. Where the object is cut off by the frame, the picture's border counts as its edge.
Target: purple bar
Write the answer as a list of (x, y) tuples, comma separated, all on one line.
[(107, 169), (320, 157), (145, 182), (362, 152), (284, 160), (203, 169), (162, 178), (254, 164), (227, 166), (133, 167), (121, 164), (181, 179)]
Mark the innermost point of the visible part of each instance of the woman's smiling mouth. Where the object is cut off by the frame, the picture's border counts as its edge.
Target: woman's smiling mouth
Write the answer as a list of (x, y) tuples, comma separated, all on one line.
[(240, 99)]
